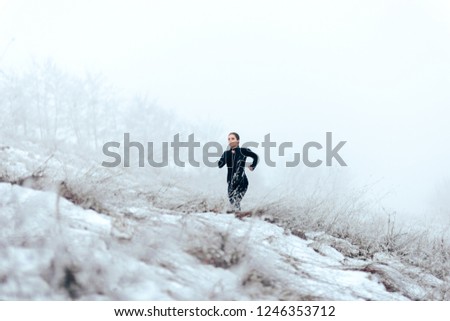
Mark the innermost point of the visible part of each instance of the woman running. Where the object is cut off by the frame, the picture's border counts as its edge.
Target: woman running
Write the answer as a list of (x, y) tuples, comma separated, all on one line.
[(237, 181)]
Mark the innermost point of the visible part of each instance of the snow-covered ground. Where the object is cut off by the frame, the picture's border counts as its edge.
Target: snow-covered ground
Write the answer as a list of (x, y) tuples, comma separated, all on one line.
[(115, 236)]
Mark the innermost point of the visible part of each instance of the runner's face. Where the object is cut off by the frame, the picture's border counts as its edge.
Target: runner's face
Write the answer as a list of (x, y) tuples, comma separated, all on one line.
[(232, 141)]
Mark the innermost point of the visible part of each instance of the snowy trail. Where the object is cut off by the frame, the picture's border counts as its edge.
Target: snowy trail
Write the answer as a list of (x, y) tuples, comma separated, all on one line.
[(198, 256), (120, 236)]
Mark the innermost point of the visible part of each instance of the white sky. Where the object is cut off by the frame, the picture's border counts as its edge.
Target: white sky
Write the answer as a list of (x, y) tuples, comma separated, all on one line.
[(375, 73)]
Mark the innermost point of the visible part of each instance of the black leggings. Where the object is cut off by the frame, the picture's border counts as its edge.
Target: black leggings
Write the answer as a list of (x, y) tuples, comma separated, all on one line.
[(236, 192)]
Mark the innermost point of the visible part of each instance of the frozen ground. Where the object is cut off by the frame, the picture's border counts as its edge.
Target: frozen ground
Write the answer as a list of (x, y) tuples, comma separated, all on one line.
[(110, 236)]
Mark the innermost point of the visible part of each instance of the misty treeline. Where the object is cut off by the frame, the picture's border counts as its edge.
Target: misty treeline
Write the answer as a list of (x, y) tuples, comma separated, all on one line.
[(64, 112), (47, 104)]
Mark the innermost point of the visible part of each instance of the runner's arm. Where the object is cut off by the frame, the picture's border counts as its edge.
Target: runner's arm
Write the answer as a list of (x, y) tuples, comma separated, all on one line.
[(222, 160), (247, 152)]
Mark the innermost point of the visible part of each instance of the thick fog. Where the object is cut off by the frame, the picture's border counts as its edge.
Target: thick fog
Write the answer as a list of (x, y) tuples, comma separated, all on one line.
[(375, 74)]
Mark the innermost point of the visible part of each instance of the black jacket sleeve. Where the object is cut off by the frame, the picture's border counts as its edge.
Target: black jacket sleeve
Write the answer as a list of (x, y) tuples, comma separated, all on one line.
[(247, 152), (222, 160)]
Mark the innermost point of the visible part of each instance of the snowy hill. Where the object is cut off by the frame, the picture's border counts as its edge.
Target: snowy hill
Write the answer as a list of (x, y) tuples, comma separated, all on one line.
[(111, 236)]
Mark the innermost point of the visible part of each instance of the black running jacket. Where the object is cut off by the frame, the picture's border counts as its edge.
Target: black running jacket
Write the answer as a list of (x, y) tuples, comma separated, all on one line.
[(236, 161)]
